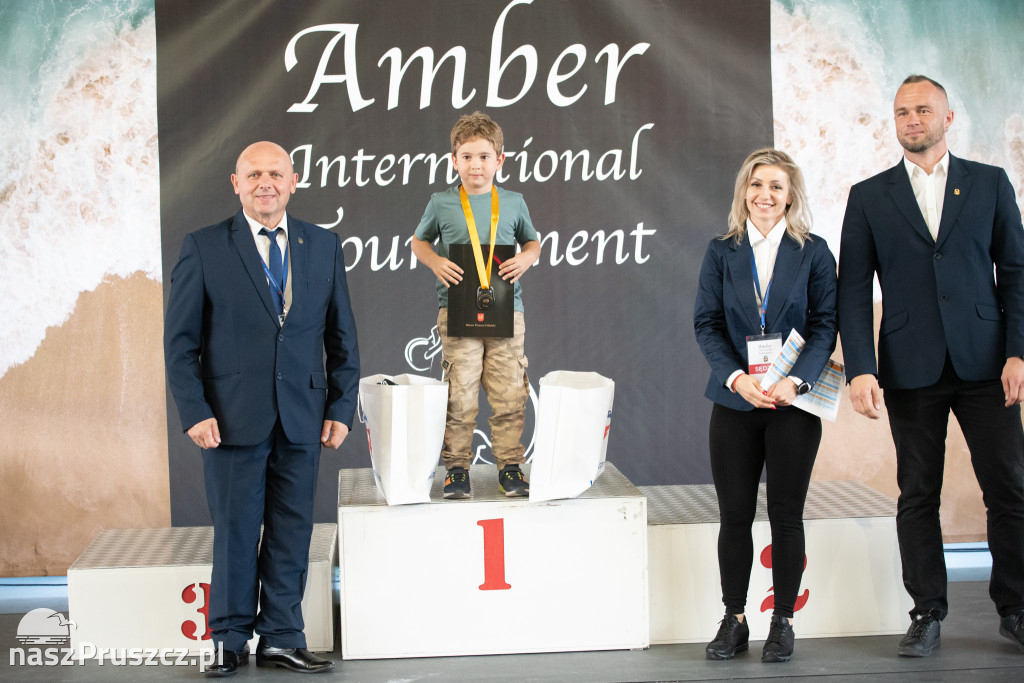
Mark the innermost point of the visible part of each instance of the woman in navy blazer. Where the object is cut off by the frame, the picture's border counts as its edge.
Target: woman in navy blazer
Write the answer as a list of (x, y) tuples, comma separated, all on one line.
[(753, 427)]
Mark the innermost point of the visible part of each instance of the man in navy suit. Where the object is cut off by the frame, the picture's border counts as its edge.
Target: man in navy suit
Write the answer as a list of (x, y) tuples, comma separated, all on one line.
[(944, 236), (257, 302)]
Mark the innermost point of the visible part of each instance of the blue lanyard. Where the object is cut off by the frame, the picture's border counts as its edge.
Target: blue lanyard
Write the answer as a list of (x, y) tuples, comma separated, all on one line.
[(284, 274), (762, 303)]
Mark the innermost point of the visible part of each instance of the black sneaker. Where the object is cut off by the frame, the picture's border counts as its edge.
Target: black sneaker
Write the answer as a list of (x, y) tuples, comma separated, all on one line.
[(456, 483), (922, 637), (778, 647), (512, 483), (733, 636), (1012, 627)]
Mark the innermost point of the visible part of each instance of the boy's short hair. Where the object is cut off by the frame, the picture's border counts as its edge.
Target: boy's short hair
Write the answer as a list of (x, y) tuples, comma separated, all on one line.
[(477, 125)]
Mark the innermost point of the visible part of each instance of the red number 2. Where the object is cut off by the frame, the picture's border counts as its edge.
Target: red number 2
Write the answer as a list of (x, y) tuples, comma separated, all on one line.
[(769, 602)]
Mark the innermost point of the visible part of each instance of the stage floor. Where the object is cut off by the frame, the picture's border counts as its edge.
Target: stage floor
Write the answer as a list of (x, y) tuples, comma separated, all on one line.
[(972, 649)]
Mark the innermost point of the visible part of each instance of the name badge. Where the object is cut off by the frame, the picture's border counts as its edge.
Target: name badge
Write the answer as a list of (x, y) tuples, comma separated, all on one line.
[(762, 350)]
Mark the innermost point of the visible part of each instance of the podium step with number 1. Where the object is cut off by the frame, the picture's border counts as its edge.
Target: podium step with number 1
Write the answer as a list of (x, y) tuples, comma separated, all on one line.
[(491, 575)]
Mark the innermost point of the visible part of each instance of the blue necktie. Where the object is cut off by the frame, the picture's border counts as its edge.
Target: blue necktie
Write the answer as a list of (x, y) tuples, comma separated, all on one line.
[(276, 270)]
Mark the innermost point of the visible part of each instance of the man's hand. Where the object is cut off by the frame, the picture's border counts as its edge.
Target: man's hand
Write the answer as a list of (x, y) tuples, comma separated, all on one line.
[(1013, 381), (205, 434), (866, 395), (333, 433), (751, 391)]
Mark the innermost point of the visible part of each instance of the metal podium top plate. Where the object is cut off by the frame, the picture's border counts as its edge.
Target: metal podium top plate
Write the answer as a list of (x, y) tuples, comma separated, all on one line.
[(697, 504), (357, 487), (177, 546)]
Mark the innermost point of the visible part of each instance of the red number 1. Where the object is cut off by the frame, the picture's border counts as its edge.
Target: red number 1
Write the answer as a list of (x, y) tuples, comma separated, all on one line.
[(494, 555)]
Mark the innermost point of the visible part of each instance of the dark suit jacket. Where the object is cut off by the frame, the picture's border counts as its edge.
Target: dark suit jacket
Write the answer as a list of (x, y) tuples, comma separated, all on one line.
[(803, 297), (937, 295), (228, 358)]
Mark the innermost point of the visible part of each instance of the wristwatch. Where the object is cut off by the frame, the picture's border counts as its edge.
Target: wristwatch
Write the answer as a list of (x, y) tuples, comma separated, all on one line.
[(802, 388)]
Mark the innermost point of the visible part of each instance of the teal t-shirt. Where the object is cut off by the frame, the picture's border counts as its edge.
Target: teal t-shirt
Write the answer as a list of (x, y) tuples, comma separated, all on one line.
[(444, 218)]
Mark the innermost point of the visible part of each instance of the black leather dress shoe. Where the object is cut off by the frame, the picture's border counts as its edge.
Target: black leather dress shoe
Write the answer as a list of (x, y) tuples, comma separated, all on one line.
[(733, 636), (1012, 627), (922, 637), (293, 658), (230, 663)]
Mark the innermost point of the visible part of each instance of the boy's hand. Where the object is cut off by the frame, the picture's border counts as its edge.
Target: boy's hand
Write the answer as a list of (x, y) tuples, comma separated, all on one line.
[(513, 268), (446, 271)]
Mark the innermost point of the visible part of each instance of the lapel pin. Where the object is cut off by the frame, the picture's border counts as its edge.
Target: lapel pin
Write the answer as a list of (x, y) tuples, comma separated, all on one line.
[(300, 239), (956, 191)]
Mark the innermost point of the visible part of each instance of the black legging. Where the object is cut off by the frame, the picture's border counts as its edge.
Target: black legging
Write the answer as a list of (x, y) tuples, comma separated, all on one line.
[(785, 442)]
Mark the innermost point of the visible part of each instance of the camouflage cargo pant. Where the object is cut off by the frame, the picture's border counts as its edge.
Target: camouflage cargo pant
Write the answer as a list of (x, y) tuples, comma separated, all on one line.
[(499, 364)]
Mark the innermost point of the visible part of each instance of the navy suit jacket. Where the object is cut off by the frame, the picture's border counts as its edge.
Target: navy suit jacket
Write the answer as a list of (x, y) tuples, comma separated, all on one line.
[(961, 293), (227, 356), (802, 298)]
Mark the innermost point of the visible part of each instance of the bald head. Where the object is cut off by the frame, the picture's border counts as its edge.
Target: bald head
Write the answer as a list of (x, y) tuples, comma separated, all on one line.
[(264, 147), (264, 181)]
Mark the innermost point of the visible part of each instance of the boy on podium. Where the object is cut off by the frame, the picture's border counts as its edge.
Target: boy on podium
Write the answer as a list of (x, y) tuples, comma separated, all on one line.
[(477, 347)]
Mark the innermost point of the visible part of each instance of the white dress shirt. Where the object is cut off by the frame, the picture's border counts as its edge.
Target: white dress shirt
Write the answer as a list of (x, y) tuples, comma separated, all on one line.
[(765, 248), (929, 189), (263, 246)]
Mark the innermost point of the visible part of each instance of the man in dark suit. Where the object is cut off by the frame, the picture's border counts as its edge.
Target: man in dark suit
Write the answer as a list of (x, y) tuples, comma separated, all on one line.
[(944, 236), (257, 302)]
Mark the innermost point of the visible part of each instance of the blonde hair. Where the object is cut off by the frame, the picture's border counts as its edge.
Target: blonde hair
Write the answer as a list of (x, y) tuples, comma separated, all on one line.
[(477, 125), (798, 213)]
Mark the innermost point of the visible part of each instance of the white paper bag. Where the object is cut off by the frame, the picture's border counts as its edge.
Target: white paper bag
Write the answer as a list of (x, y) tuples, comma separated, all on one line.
[(574, 415), (404, 429)]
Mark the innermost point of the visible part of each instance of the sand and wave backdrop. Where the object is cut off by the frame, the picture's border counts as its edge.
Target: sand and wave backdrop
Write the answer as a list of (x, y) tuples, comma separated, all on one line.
[(84, 437), (81, 363)]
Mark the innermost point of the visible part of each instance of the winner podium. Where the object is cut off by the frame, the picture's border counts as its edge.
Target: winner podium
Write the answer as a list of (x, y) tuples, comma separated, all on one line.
[(491, 575)]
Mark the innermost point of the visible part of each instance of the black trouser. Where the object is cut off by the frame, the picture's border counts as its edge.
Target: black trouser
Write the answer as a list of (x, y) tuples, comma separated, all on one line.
[(784, 442), (919, 418)]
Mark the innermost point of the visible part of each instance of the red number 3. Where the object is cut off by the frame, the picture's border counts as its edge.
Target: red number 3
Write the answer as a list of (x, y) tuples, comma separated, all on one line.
[(190, 629)]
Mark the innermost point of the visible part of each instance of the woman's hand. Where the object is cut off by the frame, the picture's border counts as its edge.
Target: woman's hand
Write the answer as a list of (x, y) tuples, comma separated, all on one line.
[(783, 391), (751, 391)]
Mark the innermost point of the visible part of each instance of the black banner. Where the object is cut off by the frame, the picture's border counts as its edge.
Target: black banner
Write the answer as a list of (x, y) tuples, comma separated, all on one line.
[(625, 122)]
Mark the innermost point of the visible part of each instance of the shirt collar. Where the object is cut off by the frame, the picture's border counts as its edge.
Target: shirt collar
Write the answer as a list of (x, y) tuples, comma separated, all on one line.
[(256, 226), (942, 164), (774, 237)]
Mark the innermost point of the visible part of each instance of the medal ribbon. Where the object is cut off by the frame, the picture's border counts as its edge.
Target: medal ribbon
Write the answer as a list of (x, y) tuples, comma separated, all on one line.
[(474, 237)]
